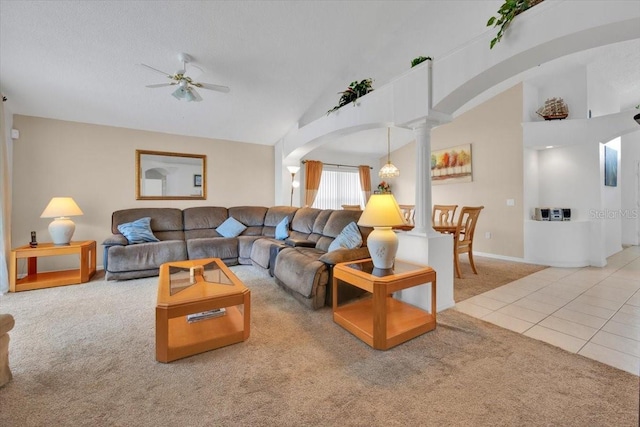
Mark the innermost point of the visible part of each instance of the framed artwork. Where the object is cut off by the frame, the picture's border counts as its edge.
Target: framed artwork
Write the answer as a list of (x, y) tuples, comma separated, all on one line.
[(197, 180), (451, 165), (610, 167)]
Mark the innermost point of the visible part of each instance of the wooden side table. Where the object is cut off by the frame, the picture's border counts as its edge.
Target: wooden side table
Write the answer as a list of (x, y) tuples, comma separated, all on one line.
[(34, 280), (382, 321)]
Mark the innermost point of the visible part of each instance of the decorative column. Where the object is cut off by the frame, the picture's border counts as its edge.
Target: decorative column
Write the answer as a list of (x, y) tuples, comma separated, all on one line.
[(422, 220)]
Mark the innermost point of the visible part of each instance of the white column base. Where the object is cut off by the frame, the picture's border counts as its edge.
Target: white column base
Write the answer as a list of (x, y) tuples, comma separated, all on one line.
[(436, 252)]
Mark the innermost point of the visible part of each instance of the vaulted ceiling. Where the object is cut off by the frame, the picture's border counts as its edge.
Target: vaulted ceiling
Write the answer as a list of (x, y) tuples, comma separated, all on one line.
[(284, 61)]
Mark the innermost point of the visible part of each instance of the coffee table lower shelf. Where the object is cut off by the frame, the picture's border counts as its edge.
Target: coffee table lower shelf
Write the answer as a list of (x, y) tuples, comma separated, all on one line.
[(403, 322), (186, 339)]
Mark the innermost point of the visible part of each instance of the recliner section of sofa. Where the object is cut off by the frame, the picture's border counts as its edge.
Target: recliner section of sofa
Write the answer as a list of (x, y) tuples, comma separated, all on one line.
[(191, 234), (306, 271)]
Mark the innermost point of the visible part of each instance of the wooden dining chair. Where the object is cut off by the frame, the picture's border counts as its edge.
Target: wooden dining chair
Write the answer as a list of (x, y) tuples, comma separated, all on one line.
[(443, 213), (408, 213), (463, 237), (351, 207)]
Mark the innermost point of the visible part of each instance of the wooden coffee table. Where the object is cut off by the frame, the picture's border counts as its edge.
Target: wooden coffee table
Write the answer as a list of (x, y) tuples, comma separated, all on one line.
[(178, 334)]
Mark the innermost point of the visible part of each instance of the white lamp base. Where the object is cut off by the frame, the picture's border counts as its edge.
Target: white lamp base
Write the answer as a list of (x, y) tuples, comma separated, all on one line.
[(383, 245), (61, 229)]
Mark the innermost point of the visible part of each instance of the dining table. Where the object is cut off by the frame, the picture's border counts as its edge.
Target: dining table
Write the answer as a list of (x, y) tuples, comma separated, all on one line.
[(447, 227)]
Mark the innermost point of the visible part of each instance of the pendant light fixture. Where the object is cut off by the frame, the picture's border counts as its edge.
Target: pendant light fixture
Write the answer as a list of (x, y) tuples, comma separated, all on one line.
[(389, 170)]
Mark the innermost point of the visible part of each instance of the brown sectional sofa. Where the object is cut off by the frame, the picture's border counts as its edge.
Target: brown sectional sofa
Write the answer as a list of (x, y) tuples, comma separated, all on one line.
[(301, 264)]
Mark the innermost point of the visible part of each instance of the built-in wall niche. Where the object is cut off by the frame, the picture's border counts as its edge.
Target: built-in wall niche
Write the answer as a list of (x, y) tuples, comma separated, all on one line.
[(570, 85), (170, 176)]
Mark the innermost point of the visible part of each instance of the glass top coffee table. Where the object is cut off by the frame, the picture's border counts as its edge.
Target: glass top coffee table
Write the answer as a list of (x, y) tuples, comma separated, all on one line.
[(201, 306)]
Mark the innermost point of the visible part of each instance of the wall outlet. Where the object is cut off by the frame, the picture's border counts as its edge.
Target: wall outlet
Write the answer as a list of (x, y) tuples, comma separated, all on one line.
[(511, 202), (487, 235)]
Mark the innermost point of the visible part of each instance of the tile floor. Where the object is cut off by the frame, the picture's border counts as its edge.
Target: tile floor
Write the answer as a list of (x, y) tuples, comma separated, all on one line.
[(594, 312)]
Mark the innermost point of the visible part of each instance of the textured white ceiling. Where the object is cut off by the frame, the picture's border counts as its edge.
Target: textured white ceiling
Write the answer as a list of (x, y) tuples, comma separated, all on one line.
[(283, 60)]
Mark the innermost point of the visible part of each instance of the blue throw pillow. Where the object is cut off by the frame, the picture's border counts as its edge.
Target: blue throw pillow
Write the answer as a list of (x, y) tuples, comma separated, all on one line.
[(282, 229), (349, 238), (138, 231), (231, 228)]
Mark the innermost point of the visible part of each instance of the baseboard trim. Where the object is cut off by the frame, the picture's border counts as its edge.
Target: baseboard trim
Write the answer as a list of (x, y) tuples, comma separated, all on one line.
[(504, 258)]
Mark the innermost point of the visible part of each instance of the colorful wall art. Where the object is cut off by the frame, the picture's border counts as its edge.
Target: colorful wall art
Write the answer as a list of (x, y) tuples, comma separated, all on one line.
[(451, 165)]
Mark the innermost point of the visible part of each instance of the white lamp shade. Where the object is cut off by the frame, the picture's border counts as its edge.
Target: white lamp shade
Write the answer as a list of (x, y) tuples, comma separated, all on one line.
[(61, 228), (61, 206), (293, 169), (382, 212)]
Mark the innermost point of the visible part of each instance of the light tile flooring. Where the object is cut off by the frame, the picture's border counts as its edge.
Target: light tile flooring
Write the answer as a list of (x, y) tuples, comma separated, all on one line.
[(594, 312)]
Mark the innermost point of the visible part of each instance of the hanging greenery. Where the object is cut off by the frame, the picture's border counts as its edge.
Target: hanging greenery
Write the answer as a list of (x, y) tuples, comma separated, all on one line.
[(419, 60), (509, 10), (354, 91)]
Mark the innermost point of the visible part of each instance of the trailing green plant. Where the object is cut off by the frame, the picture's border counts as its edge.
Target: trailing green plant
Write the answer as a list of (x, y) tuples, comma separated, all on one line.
[(354, 91), (508, 11), (419, 60)]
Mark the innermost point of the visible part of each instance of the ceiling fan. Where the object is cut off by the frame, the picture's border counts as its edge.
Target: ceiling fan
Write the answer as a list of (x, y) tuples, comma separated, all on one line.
[(186, 86)]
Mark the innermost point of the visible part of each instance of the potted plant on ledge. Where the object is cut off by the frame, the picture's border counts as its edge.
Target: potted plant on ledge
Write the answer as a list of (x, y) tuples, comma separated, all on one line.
[(509, 10), (353, 92)]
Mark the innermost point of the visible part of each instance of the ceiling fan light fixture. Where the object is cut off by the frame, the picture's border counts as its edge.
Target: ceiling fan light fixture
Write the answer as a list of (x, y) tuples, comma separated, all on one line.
[(179, 93), (186, 85), (389, 170)]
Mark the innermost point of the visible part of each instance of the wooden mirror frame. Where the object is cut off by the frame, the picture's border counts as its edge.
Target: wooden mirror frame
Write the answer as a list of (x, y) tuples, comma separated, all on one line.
[(189, 175)]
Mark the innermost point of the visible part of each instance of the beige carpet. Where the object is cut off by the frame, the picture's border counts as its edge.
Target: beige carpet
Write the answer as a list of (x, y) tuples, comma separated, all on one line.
[(84, 355)]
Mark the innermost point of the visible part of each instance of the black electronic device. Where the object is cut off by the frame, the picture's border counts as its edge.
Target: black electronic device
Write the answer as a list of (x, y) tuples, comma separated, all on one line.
[(541, 214), (33, 243)]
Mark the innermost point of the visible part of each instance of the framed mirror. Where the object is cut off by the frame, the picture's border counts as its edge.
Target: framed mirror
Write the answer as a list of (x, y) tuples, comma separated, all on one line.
[(170, 176)]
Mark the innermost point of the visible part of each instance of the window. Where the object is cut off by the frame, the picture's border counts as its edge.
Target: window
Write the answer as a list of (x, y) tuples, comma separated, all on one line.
[(337, 188)]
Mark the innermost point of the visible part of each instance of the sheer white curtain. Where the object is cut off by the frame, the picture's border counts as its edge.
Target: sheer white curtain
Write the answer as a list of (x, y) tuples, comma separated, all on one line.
[(5, 203), (337, 188)]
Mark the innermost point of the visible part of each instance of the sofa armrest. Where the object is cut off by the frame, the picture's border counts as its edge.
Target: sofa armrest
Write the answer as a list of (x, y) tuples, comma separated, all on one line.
[(299, 243), (115, 240), (6, 323), (345, 255)]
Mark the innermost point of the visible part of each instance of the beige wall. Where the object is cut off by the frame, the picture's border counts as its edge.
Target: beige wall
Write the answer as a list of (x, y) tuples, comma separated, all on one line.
[(96, 166), (495, 133)]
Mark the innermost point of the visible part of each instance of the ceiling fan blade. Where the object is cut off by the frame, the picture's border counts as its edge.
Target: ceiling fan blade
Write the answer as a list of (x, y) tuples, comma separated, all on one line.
[(210, 86), (157, 71), (161, 85), (196, 95)]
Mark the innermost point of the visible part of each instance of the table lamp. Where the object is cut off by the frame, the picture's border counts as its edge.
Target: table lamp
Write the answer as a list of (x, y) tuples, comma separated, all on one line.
[(61, 228), (382, 212)]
